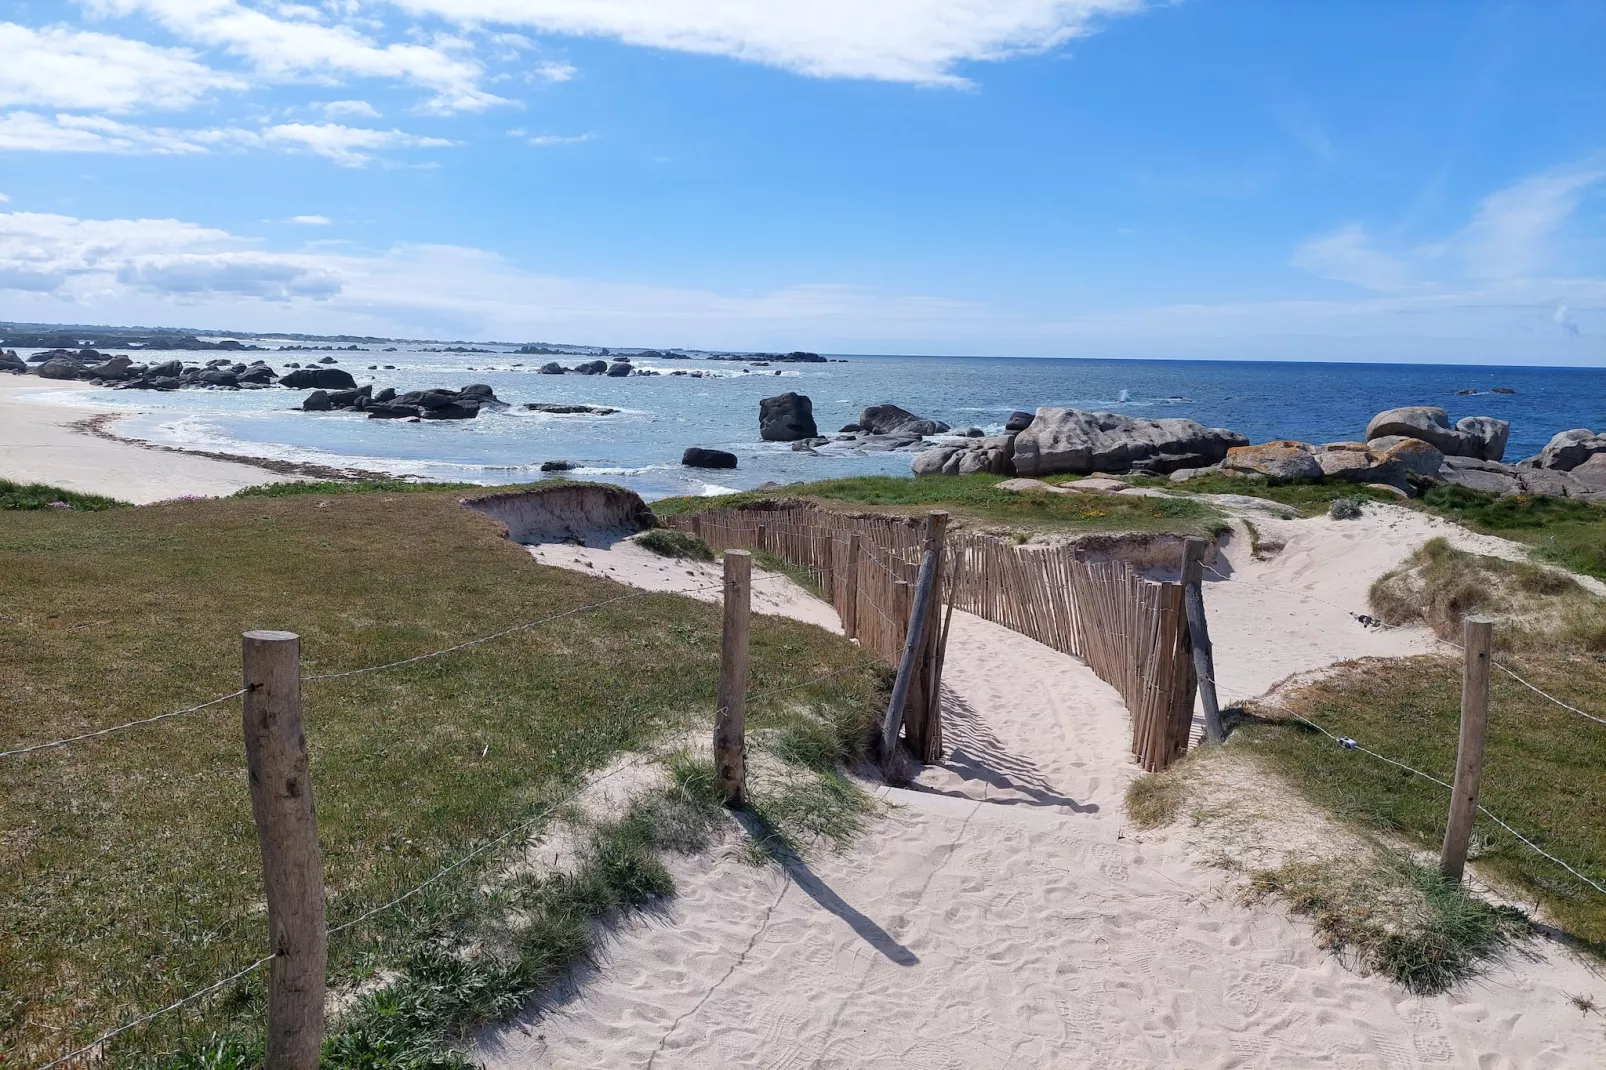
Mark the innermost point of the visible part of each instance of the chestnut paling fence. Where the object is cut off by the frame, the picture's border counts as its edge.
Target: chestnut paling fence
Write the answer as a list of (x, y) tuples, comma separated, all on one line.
[(1131, 631)]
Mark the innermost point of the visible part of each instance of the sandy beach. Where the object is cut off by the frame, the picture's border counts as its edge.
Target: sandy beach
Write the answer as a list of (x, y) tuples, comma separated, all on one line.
[(1002, 912), (39, 444)]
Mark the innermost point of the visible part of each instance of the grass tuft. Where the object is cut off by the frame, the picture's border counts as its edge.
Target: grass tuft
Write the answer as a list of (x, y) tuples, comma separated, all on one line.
[(1346, 508), (1398, 918), (1155, 799), (324, 488), (667, 542)]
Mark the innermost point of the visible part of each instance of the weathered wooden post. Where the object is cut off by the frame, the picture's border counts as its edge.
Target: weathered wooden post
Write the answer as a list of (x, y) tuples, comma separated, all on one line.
[(921, 720), (730, 718), (762, 541), (1204, 660), (850, 586), (287, 830), (913, 646), (1475, 641)]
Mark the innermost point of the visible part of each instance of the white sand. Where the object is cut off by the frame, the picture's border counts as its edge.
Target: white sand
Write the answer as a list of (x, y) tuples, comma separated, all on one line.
[(1004, 915), (37, 445)]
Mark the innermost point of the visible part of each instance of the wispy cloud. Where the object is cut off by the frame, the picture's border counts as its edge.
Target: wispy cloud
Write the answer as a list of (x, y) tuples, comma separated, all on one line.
[(554, 139), (349, 146), (1513, 236), (311, 220), (349, 109)]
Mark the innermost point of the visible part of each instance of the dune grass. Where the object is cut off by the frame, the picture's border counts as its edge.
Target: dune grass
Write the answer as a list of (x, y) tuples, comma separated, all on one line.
[(1309, 497), (128, 867), (977, 500), (1537, 608), (1400, 918), (42, 496), (325, 487), (1560, 530), (670, 543), (1544, 768)]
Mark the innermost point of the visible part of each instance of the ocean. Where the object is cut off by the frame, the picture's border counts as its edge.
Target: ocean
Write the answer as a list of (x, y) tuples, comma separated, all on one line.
[(640, 446)]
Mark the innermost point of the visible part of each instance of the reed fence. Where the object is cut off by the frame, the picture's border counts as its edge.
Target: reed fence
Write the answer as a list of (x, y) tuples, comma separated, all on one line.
[(1131, 631)]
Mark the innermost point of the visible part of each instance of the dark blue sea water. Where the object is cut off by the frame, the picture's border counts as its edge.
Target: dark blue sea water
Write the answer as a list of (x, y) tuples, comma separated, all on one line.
[(662, 415)]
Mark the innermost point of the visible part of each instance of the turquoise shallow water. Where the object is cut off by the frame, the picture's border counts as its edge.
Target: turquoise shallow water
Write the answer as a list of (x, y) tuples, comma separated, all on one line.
[(640, 446)]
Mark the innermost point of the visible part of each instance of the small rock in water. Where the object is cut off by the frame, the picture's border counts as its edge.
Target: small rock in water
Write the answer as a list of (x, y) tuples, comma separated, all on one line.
[(698, 457), (557, 466)]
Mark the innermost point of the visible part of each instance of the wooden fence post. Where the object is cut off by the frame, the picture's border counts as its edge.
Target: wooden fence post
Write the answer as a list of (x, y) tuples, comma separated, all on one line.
[(762, 541), (730, 718), (1475, 641), (287, 830), (1204, 660), (909, 666), (923, 727), (850, 596)]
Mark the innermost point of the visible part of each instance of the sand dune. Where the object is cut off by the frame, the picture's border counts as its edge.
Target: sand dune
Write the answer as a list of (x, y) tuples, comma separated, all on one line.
[(1003, 914)]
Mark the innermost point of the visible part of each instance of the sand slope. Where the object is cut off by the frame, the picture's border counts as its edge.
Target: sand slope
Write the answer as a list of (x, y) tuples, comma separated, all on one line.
[(1002, 914)]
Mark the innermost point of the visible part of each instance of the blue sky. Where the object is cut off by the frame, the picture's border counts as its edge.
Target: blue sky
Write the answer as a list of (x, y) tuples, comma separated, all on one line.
[(1106, 178)]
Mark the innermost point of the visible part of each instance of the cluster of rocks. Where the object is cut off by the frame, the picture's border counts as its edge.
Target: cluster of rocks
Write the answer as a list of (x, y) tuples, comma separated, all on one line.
[(569, 410), (436, 404), (105, 369), (620, 367), (796, 357), (1056, 440)]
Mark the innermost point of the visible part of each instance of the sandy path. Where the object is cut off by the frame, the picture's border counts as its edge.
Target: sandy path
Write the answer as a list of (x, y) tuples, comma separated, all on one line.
[(1003, 915), (37, 445)]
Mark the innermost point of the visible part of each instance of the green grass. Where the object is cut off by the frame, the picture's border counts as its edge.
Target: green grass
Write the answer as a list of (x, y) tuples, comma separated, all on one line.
[(323, 488), (129, 872), (43, 496), (1544, 768), (670, 543), (1561, 530), (1155, 799), (977, 500), (1398, 918)]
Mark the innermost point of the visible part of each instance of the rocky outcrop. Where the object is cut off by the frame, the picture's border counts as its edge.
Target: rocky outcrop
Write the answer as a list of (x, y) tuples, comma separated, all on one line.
[(619, 369), (994, 455), (893, 420), (318, 379), (1416, 457), (1280, 462), (61, 368), (1018, 421), (10, 362), (438, 404), (568, 410), (786, 418), (698, 457), (1482, 437), (1570, 449), (1073, 440)]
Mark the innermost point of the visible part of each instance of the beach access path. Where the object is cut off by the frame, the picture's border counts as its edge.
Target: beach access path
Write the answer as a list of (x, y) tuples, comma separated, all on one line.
[(1001, 912), (39, 444)]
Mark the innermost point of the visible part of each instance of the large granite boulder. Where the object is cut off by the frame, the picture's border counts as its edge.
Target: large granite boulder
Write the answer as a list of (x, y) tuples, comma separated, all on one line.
[(1279, 462), (10, 362), (1491, 477), (786, 418), (698, 457), (1073, 440), (318, 379), (1567, 450), (892, 420), (1482, 437), (993, 454), (1415, 456), (1018, 421), (1357, 462), (619, 369), (111, 368), (62, 368)]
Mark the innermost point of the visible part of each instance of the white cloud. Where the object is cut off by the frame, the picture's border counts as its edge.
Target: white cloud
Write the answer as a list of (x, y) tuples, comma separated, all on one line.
[(4, 198), (1347, 255), (311, 220), (552, 72), (57, 268), (349, 109), (29, 132), (301, 45), (918, 41), (349, 146), (554, 139), (60, 67)]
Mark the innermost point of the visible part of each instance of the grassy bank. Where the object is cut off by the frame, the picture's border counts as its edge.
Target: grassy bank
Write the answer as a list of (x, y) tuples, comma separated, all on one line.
[(976, 500), (1544, 768), (128, 867)]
